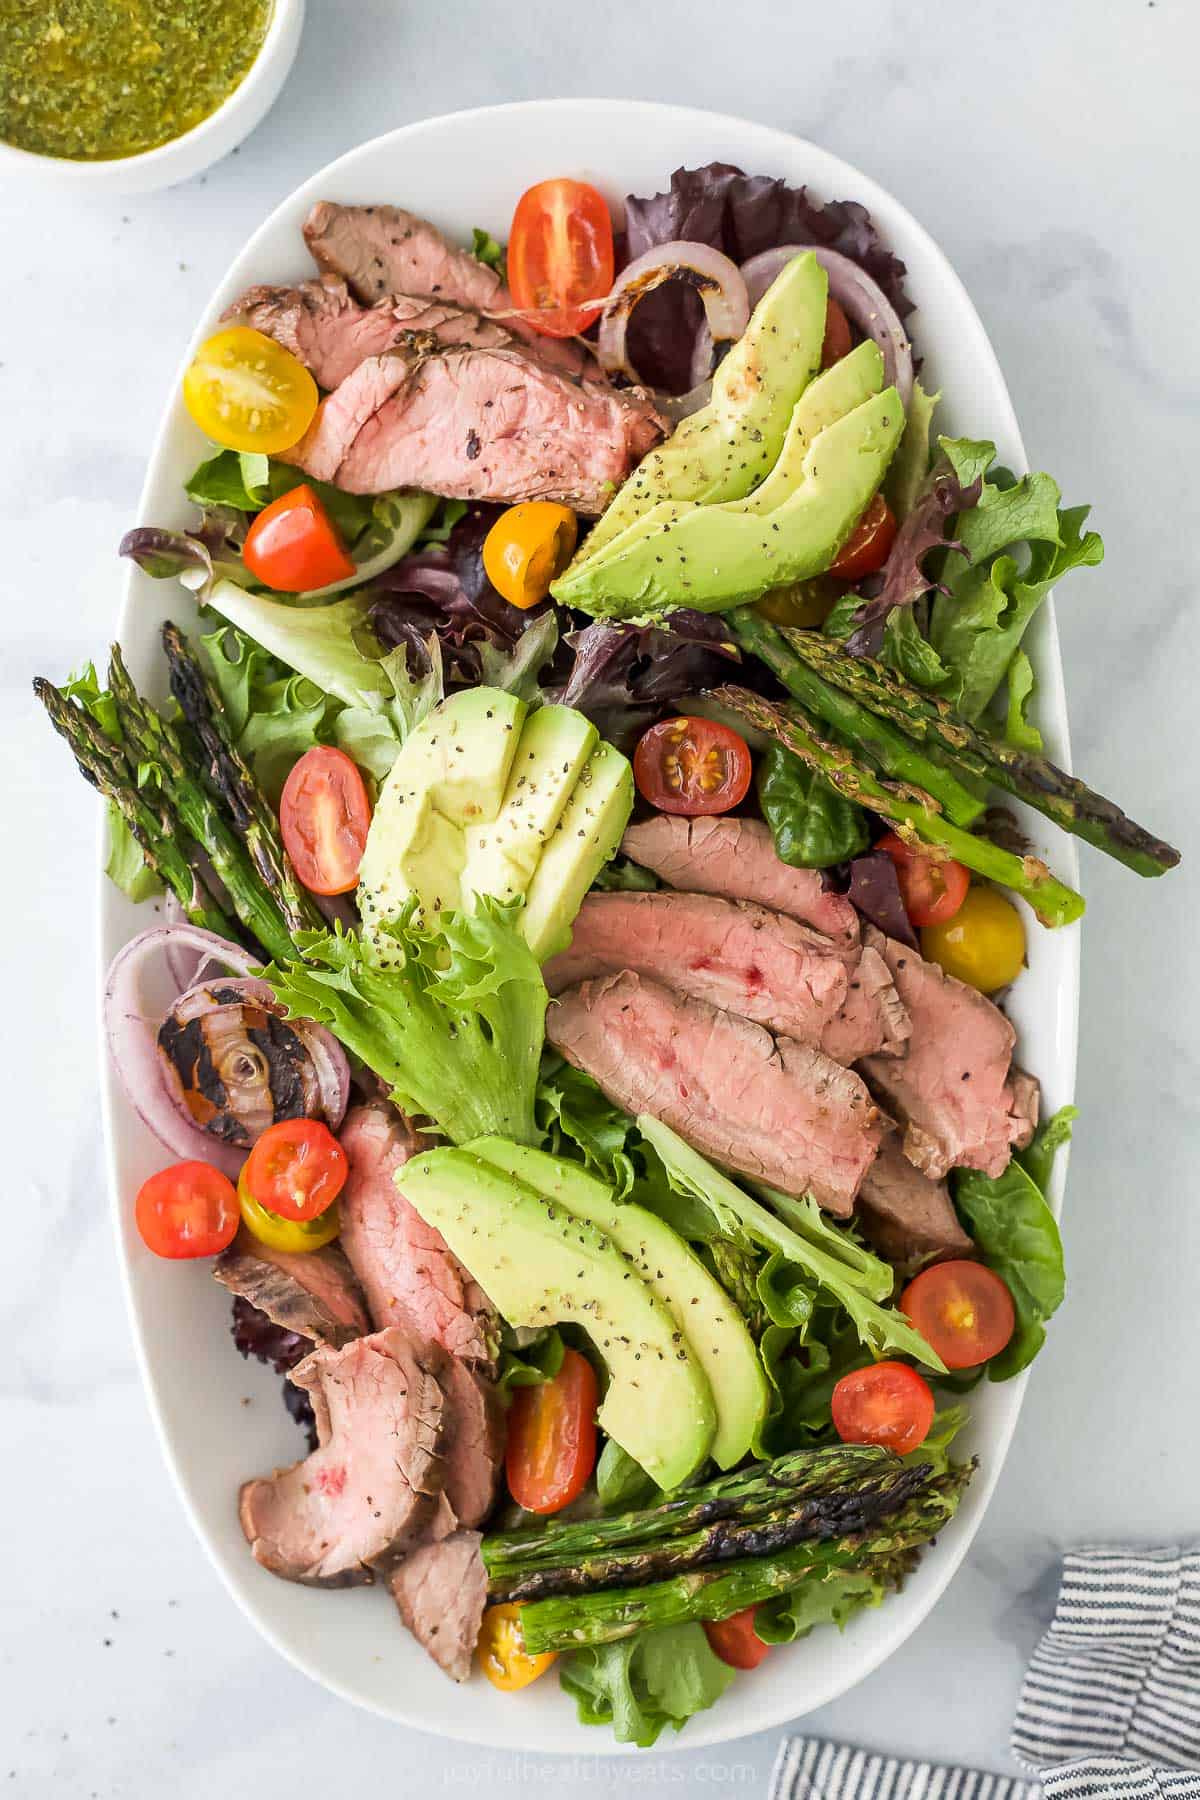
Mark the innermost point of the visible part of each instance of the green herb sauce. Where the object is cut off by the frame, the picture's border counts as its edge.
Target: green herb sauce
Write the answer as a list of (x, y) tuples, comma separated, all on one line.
[(98, 79)]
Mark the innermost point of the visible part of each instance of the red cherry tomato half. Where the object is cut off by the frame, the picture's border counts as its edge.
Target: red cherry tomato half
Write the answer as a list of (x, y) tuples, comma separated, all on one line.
[(887, 1403), (560, 255), (931, 887), (837, 335), (296, 1169), (294, 545), (735, 1640), (551, 1448), (691, 766), (962, 1310), (189, 1209), (324, 815), (866, 549)]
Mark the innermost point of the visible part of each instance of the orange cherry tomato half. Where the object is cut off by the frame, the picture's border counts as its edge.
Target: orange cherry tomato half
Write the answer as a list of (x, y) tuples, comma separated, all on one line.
[(735, 1640), (560, 255), (866, 549), (962, 1310), (324, 816), (296, 1170), (931, 887), (189, 1209), (837, 335), (887, 1403), (294, 545), (551, 1448), (692, 766)]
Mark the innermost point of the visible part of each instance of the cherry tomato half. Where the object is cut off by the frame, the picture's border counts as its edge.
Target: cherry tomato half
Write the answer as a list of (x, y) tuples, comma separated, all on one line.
[(692, 766), (502, 1654), (552, 1437), (296, 1236), (866, 549), (836, 343), (189, 1209), (294, 545), (962, 1310), (324, 816), (560, 255), (931, 887), (735, 1640), (247, 392), (887, 1403), (297, 1169), (983, 944), (527, 548)]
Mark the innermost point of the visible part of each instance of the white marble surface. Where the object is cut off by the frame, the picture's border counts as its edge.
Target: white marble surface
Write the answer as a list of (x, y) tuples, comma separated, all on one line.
[(1052, 150)]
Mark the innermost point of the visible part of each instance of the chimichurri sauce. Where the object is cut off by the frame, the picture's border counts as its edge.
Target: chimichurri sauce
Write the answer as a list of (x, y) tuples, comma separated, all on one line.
[(99, 79)]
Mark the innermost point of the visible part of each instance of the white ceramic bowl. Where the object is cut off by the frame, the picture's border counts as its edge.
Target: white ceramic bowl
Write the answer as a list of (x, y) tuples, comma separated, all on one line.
[(198, 148), (463, 170)]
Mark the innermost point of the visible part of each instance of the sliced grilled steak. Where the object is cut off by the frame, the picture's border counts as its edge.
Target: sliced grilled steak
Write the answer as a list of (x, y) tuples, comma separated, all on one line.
[(743, 958), (408, 1275), (953, 1090), (323, 324), (770, 1108), (316, 1294), (474, 1445), (476, 425), (736, 858), (383, 250), (370, 1488), (441, 1590), (904, 1215)]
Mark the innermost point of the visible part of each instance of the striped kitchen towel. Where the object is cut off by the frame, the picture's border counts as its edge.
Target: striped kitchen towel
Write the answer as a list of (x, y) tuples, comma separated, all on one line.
[(1110, 1709)]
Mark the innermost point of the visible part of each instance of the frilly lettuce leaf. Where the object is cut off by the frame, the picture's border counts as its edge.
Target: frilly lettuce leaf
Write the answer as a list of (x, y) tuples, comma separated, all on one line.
[(453, 1021), (126, 866), (645, 1682)]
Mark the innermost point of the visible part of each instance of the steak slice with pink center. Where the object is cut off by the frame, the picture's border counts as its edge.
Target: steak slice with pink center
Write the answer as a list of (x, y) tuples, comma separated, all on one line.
[(768, 1107), (370, 1489), (475, 425), (383, 250), (322, 323), (904, 1215), (743, 958), (408, 1274), (736, 858), (441, 1590), (961, 1103)]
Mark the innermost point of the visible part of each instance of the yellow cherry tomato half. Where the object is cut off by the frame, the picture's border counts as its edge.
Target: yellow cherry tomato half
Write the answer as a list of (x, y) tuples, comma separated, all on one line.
[(527, 548), (502, 1653), (278, 1233), (804, 604), (247, 392), (983, 944)]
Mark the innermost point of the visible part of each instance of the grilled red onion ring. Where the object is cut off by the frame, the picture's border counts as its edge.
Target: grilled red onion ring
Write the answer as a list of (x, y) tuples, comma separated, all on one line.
[(716, 279), (142, 1069), (862, 300)]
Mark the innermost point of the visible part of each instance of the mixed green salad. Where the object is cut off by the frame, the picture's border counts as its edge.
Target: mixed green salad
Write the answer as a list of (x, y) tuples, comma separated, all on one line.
[(580, 831)]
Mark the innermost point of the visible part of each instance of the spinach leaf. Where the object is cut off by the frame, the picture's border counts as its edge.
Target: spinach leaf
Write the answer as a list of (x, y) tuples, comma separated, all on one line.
[(1017, 1236), (621, 1483), (812, 825), (529, 1364)]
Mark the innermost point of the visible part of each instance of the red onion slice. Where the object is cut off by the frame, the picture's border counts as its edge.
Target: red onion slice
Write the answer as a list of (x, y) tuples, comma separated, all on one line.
[(716, 279), (132, 1039), (862, 300)]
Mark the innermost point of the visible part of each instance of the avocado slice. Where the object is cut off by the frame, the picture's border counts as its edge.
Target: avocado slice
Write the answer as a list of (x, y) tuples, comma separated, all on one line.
[(543, 1265), (712, 1326), (551, 755), (722, 451), (587, 835), (452, 771), (715, 557)]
